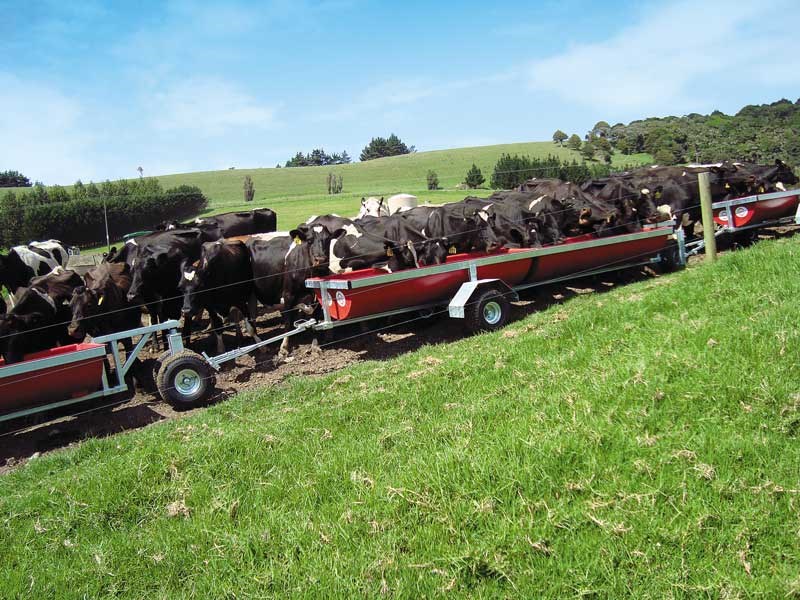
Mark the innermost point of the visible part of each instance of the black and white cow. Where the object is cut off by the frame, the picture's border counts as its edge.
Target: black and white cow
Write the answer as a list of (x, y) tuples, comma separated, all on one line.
[(39, 320), (23, 263), (465, 228), (387, 242), (220, 281), (156, 261), (280, 269)]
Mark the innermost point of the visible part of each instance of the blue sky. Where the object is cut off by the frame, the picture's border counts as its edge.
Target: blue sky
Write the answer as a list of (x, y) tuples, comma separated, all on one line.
[(92, 90)]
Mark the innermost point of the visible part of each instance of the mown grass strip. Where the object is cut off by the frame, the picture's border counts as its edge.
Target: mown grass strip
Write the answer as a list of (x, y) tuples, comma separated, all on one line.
[(642, 442)]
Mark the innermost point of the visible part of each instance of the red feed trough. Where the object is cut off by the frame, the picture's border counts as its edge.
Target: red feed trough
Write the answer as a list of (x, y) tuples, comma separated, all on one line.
[(372, 291), (754, 210), (53, 375)]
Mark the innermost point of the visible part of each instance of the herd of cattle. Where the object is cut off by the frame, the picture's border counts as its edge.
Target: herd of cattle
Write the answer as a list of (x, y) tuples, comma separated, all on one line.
[(227, 264)]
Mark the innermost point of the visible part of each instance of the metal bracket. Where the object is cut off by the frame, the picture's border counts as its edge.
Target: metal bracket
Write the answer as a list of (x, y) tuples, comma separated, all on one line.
[(456, 307)]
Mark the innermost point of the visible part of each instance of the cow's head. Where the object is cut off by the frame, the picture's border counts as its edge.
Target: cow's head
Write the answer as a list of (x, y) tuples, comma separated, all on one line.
[(485, 221), (372, 207), (84, 304), (192, 275), (318, 238), (784, 173), (145, 273), (433, 251)]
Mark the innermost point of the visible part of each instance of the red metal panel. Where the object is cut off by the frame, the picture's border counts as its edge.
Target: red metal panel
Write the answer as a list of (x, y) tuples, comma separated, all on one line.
[(758, 212), (40, 384), (426, 289)]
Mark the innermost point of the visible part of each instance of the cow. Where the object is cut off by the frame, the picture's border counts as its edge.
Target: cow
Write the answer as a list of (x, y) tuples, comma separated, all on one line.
[(156, 262), (465, 229), (260, 220), (22, 263), (372, 207), (514, 225), (281, 267), (417, 217), (388, 242), (220, 281), (100, 306), (39, 320)]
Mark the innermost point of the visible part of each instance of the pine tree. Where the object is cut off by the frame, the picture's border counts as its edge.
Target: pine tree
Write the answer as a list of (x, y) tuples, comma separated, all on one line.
[(474, 177), (432, 180)]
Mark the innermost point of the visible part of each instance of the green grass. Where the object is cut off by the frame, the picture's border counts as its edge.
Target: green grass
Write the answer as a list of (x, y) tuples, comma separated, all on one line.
[(639, 443)]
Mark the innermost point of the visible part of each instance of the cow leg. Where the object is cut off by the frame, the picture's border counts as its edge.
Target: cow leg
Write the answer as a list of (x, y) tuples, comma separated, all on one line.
[(186, 331), (217, 323)]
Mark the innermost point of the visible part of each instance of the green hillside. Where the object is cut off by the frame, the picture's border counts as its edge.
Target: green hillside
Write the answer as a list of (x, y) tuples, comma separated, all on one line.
[(620, 445), (295, 193)]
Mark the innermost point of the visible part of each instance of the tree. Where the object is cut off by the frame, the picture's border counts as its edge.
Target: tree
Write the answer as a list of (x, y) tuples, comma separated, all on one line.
[(559, 137), (379, 147), (335, 183), (13, 179), (474, 177), (249, 189), (587, 150), (433, 180), (574, 142), (602, 144), (600, 129)]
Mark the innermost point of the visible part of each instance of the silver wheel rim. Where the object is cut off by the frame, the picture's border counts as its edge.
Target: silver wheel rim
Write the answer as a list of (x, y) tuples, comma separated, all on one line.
[(188, 382), (492, 312)]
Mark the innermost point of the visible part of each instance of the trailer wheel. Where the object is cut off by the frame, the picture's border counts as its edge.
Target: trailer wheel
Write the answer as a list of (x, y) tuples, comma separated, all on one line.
[(487, 310), (185, 379)]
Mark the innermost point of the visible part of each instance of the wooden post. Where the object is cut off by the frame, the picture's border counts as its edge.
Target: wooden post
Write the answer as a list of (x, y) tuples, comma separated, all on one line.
[(708, 216)]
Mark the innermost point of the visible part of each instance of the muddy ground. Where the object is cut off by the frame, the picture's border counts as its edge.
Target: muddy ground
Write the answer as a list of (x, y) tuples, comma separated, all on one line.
[(375, 340)]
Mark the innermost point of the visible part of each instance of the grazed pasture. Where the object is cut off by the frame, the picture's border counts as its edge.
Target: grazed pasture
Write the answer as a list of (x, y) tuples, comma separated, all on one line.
[(639, 443)]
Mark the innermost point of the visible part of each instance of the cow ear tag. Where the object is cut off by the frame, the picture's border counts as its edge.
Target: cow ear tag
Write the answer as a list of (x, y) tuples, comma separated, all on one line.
[(658, 195), (727, 186), (297, 240), (389, 252), (761, 189), (451, 250), (100, 300)]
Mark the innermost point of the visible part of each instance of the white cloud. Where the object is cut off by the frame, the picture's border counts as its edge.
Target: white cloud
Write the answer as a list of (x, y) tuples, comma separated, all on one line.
[(207, 106), (678, 57), (43, 133)]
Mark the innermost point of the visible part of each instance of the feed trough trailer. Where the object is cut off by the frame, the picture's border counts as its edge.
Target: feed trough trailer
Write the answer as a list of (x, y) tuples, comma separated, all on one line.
[(750, 214), (474, 287)]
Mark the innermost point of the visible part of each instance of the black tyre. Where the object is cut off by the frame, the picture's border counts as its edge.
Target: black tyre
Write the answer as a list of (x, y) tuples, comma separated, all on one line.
[(487, 310), (185, 379)]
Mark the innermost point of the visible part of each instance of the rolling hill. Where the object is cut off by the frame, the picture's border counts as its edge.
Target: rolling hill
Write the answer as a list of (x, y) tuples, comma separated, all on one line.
[(296, 193)]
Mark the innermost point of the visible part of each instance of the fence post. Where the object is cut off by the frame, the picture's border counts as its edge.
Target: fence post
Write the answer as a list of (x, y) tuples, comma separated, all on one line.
[(708, 216)]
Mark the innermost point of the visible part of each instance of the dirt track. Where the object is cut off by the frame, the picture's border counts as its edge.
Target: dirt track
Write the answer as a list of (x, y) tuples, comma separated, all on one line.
[(20, 442)]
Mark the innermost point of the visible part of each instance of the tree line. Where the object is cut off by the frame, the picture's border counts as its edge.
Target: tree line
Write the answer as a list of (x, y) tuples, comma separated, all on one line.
[(378, 147), (757, 133), (13, 179), (77, 216)]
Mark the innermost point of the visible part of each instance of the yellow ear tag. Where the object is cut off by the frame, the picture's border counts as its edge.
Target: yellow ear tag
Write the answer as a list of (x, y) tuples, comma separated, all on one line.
[(100, 300), (389, 252), (658, 195), (297, 240), (452, 250), (761, 189), (727, 186)]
